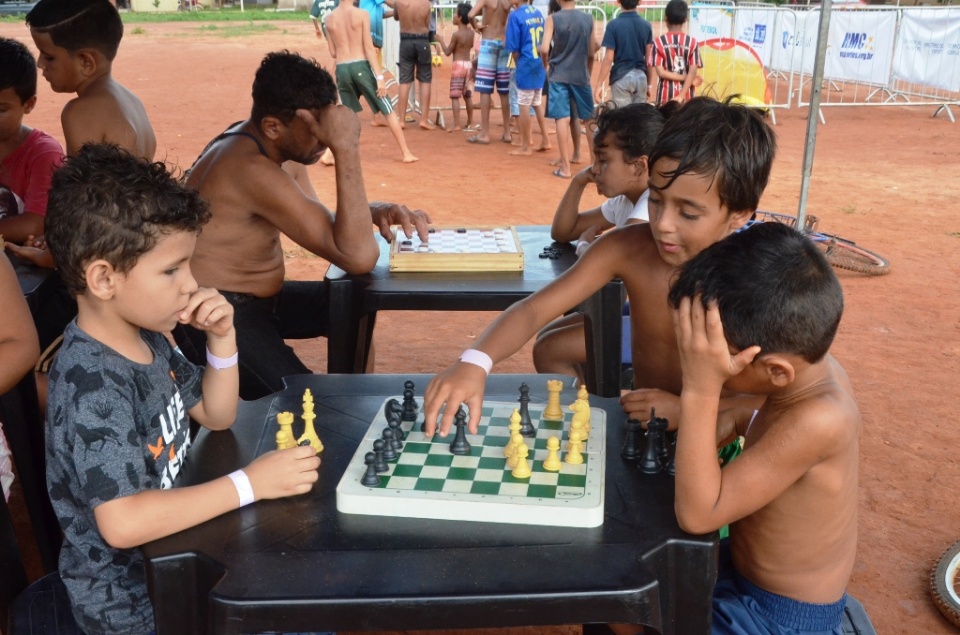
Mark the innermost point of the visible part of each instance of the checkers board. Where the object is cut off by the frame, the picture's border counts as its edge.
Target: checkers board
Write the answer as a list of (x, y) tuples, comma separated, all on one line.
[(427, 481), (466, 248)]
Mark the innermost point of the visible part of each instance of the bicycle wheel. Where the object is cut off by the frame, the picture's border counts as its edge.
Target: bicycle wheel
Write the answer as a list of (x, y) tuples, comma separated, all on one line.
[(945, 585), (844, 254)]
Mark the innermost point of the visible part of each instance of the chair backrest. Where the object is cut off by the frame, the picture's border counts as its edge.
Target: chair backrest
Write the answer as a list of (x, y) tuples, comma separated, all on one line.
[(23, 427), (14, 577)]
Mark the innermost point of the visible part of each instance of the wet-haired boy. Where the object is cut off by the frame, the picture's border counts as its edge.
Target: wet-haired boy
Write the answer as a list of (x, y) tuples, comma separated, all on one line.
[(78, 41), (122, 231), (756, 313), (707, 171)]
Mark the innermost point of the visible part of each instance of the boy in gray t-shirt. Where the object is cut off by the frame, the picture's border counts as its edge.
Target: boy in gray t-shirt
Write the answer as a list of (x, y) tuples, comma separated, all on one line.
[(122, 232), (569, 45)]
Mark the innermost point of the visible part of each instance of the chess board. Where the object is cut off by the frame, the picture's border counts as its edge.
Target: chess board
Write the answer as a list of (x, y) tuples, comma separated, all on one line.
[(458, 249), (427, 481)]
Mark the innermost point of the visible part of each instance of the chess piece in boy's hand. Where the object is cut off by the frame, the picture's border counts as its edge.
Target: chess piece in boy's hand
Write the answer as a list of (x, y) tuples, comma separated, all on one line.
[(282, 473), (461, 383)]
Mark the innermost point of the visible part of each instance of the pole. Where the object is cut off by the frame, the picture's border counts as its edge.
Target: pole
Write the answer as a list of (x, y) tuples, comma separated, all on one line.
[(813, 114)]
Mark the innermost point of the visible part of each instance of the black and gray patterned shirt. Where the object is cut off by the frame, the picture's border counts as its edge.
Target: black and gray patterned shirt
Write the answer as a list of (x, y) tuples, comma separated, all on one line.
[(114, 428)]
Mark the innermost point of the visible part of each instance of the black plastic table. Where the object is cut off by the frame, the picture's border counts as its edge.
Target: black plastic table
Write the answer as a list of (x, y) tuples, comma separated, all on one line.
[(355, 299), (298, 564)]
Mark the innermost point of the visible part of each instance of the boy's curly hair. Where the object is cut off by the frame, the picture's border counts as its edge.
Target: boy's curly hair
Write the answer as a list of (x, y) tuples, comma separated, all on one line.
[(286, 82), (79, 24), (106, 203)]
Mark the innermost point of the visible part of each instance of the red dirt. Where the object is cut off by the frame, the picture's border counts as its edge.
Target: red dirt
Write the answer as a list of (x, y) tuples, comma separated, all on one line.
[(881, 177)]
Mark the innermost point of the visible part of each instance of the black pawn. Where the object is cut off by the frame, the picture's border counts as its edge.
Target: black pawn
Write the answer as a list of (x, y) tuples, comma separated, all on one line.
[(526, 425), (460, 445), (409, 406), (408, 385), (631, 440), (370, 478), (389, 452), (394, 424), (379, 465)]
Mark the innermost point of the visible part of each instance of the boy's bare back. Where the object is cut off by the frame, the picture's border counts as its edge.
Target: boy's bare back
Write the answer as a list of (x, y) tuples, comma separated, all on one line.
[(107, 112), (345, 32), (494, 14), (802, 544), (414, 15), (461, 44)]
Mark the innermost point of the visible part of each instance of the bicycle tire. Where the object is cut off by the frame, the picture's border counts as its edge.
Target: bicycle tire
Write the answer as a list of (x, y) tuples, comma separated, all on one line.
[(844, 254), (944, 584)]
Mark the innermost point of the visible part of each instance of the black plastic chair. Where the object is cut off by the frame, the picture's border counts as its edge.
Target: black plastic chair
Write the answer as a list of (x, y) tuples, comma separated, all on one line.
[(23, 427), (41, 608)]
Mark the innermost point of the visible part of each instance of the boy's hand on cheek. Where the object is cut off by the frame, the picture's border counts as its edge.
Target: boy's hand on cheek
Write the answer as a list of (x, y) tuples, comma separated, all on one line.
[(705, 357), (209, 311), (585, 176)]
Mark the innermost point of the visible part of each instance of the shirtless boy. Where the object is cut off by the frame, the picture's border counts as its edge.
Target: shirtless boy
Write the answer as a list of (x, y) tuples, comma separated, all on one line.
[(350, 44), (492, 65), (78, 42), (791, 496), (460, 47), (414, 17), (295, 116), (705, 181)]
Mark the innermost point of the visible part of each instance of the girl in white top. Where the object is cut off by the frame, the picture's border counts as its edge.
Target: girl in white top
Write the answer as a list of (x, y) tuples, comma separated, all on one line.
[(623, 139)]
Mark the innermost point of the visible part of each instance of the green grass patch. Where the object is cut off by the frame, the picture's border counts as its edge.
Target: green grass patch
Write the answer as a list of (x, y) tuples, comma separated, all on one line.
[(954, 234), (236, 30), (226, 14)]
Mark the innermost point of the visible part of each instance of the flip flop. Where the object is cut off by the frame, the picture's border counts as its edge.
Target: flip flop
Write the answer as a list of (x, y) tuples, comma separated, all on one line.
[(560, 174), (476, 139)]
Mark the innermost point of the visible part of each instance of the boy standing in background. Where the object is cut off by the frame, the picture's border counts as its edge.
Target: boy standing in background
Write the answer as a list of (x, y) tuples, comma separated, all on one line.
[(524, 32), (676, 56), (28, 156)]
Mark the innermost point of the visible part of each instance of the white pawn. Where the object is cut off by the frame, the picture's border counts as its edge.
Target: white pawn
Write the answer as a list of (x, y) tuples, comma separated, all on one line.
[(552, 462), (515, 442), (522, 469), (514, 429), (574, 450)]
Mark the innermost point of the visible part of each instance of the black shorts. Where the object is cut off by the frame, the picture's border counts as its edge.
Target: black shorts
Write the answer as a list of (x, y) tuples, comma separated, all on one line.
[(415, 52)]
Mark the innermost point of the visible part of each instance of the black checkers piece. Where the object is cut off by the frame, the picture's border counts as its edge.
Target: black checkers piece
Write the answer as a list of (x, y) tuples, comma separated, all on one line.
[(406, 242), (552, 252), (461, 230)]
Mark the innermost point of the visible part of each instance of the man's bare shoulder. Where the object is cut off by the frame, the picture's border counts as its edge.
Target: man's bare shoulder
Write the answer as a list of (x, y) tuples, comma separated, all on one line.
[(234, 167)]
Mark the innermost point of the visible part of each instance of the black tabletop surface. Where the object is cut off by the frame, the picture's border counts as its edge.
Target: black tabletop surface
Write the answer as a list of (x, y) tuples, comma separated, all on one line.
[(299, 564)]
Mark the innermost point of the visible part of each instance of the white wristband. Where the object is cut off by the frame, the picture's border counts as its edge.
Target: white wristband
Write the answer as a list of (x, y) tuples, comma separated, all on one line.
[(244, 488), (477, 358), (582, 247), (220, 363)]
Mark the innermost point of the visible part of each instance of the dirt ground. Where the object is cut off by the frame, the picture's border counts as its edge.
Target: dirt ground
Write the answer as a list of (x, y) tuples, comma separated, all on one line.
[(884, 177)]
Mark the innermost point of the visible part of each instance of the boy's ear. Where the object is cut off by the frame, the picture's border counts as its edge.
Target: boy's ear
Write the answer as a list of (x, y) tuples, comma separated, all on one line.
[(101, 279), (778, 369), (88, 61), (29, 105), (641, 166), (739, 219)]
